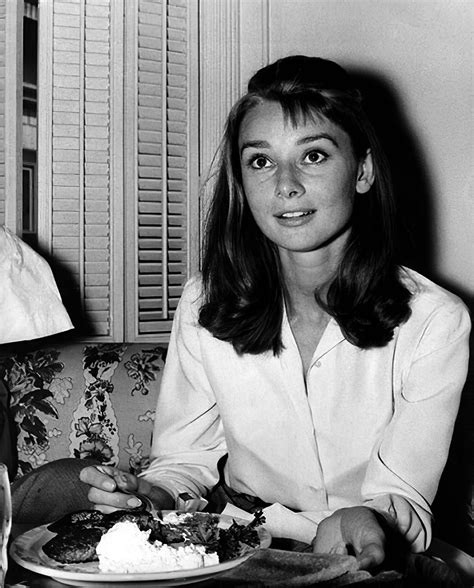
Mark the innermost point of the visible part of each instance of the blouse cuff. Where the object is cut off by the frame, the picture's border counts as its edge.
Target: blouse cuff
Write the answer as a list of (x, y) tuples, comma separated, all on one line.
[(184, 498), (409, 518)]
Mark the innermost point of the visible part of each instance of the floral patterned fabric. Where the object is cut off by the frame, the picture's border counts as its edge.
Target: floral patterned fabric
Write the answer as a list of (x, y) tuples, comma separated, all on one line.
[(83, 400)]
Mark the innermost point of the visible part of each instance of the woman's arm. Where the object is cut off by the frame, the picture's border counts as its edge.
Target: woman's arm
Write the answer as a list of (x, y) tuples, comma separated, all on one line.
[(405, 467), (404, 471), (188, 438)]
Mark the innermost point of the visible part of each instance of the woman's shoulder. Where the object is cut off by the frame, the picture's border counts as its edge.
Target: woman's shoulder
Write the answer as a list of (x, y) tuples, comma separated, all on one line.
[(193, 288), (430, 300), (191, 297), (424, 290)]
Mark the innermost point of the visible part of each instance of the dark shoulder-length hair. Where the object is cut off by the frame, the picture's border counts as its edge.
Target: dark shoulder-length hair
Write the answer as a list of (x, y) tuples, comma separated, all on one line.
[(244, 289)]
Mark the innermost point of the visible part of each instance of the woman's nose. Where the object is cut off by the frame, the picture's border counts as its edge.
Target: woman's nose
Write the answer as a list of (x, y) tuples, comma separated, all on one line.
[(289, 185)]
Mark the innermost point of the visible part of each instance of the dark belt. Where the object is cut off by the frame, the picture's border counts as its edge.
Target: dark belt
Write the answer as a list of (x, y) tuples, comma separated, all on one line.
[(223, 494)]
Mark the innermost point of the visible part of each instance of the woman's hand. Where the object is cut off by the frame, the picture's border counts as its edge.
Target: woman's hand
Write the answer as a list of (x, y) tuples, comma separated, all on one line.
[(352, 530), (112, 489)]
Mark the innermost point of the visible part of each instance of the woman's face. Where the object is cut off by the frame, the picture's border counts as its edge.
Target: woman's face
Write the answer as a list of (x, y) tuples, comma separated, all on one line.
[(300, 182)]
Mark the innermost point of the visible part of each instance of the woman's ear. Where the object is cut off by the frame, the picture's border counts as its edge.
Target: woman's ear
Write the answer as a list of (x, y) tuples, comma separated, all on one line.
[(365, 174)]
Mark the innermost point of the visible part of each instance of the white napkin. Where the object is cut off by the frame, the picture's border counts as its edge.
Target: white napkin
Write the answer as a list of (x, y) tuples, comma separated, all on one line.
[(30, 303), (283, 522), (186, 503)]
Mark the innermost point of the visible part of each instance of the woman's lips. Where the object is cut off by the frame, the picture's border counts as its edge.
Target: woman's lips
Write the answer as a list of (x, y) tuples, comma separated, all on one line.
[(294, 217)]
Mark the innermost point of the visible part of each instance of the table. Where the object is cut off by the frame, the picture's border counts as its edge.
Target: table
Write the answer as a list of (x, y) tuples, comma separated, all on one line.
[(414, 571)]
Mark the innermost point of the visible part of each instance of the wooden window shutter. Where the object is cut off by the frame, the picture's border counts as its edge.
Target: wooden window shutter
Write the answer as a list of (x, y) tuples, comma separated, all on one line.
[(158, 260), (80, 161)]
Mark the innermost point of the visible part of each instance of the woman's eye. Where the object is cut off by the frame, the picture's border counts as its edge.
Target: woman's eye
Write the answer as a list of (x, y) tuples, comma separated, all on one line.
[(259, 162), (315, 157)]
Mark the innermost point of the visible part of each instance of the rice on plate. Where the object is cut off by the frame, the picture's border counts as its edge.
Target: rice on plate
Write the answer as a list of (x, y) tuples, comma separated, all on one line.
[(126, 549)]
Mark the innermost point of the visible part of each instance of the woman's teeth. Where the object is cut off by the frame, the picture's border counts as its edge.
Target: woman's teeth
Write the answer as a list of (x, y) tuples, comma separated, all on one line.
[(296, 214)]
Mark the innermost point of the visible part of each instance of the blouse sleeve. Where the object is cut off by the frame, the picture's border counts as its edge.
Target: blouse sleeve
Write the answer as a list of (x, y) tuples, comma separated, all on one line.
[(188, 437), (405, 468)]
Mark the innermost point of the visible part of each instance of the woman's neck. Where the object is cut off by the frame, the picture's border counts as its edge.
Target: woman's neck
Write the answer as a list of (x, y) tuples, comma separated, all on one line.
[(304, 274), (307, 271)]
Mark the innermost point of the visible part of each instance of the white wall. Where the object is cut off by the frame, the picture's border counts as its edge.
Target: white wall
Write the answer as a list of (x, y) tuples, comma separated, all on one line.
[(423, 50)]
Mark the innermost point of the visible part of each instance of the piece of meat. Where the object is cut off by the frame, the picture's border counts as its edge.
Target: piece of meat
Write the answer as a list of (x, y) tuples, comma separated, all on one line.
[(76, 546), (67, 522)]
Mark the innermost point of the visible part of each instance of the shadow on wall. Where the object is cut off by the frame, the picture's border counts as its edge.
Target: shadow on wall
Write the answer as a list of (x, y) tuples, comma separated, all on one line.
[(71, 296), (411, 178)]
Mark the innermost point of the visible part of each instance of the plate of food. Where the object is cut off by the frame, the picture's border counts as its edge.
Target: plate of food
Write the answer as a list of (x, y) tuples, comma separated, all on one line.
[(124, 547)]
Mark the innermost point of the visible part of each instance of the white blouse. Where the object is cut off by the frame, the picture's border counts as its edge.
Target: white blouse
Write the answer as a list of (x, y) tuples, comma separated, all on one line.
[(369, 427)]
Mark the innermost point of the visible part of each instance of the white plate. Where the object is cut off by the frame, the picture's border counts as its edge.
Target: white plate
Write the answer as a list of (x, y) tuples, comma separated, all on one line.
[(27, 551)]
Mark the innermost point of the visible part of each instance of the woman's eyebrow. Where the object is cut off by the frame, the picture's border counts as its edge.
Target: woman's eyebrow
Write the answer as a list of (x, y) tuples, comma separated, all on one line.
[(255, 145), (307, 139), (317, 137)]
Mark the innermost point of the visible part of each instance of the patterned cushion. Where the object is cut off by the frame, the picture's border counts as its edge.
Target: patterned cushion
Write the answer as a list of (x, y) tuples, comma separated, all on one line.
[(83, 400)]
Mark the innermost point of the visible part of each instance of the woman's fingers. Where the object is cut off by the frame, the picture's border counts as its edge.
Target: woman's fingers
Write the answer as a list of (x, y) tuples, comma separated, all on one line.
[(110, 501), (112, 489), (125, 481), (361, 530), (371, 555), (328, 535), (106, 483), (352, 530), (99, 477), (339, 549)]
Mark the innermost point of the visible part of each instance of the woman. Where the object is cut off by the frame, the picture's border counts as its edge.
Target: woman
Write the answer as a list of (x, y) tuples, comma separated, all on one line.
[(329, 376)]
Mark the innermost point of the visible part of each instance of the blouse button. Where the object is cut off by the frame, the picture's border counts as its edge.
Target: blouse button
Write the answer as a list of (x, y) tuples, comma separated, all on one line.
[(318, 364)]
